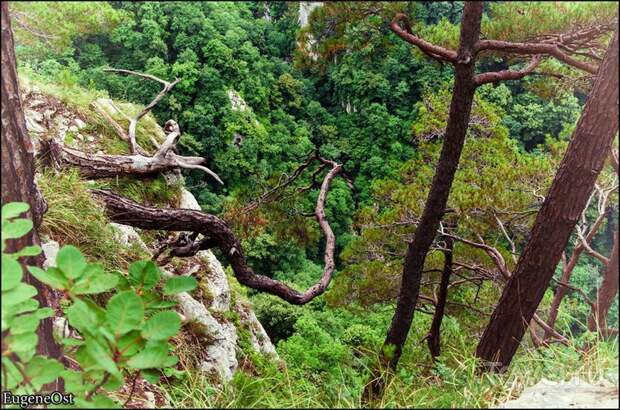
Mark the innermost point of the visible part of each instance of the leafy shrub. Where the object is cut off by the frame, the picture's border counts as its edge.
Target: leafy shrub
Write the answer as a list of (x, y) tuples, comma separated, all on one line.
[(126, 338)]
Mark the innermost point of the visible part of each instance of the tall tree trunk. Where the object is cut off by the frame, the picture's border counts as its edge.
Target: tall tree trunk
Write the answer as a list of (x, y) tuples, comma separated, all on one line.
[(454, 138), (606, 293), (563, 205), (434, 335), (458, 120), (18, 177)]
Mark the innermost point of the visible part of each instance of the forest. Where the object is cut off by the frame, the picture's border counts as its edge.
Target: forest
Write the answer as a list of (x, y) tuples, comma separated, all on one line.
[(276, 204)]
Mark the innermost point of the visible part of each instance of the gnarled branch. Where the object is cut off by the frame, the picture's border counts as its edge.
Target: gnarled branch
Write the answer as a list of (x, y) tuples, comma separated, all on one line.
[(534, 49), (133, 145), (219, 235), (432, 50)]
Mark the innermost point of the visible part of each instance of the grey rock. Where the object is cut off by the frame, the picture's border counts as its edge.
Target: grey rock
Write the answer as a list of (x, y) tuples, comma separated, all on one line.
[(50, 250), (572, 394), (127, 235), (79, 123), (33, 121)]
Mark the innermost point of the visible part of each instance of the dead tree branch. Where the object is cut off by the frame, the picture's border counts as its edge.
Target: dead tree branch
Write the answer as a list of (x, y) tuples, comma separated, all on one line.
[(133, 145)]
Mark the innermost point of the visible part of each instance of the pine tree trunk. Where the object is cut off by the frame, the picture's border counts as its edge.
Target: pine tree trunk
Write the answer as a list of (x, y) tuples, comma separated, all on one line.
[(560, 292), (434, 335), (458, 121), (18, 177), (454, 138), (563, 205), (606, 293)]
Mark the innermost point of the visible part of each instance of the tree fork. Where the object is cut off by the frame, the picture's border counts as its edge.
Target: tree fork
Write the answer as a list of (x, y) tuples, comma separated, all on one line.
[(434, 334)]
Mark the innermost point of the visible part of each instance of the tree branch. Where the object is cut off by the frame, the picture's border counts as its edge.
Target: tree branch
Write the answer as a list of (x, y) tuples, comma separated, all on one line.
[(534, 49), (432, 50), (133, 145), (127, 212), (504, 75)]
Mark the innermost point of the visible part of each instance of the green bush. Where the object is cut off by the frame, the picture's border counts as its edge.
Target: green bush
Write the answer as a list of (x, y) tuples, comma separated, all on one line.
[(125, 338)]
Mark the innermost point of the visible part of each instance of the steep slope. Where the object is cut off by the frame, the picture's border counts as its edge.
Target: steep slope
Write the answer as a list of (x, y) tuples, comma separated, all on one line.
[(220, 329)]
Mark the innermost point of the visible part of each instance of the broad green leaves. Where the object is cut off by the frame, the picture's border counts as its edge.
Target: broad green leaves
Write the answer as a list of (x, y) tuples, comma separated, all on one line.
[(11, 273), (125, 312), (180, 284), (161, 326), (71, 262), (144, 274), (130, 334)]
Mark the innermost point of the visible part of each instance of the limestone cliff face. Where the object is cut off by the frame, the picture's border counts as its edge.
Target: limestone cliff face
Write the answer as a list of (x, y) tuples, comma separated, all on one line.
[(218, 323), (305, 8)]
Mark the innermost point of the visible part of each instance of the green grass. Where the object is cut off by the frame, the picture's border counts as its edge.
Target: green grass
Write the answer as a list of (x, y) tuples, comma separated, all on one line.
[(78, 99), (150, 191), (416, 383), (74, 217)]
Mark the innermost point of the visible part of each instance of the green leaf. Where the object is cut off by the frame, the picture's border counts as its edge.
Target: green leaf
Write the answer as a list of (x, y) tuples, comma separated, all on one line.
[(25, 306), (122, 282), (130, 343), (33, 250), (94, 280), (23, 344), (44, 313), (13, 209), (162, 304), (18, 294), (11, 376), (82, 317), (170, 361), (16, 228), (161, 326), (24, 324), (71, 261), (41, 370), (151, 375), (74, 381), (11, 273), (144, 274), (125, 312), (52, 276), (180, 284), (150, 357), (71, 342), (101, 356)]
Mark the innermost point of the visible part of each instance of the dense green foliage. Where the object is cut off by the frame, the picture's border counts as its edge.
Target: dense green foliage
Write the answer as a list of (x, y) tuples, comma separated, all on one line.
[(375, 105), (120, 339)]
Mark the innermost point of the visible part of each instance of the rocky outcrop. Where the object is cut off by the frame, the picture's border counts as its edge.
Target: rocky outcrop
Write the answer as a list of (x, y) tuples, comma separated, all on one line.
[(305, 9), (215, 318), (237, 103), (563, 395), (220, 302)]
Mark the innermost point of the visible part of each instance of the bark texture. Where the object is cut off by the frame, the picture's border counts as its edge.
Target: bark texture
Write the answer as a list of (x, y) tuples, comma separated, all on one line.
[(434, 335), (18, 183), (460, 110), (606, 293), (564, 203)]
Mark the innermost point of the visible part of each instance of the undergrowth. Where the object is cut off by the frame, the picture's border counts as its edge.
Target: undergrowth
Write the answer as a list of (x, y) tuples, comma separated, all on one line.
[(74, 217), (416, 384)]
